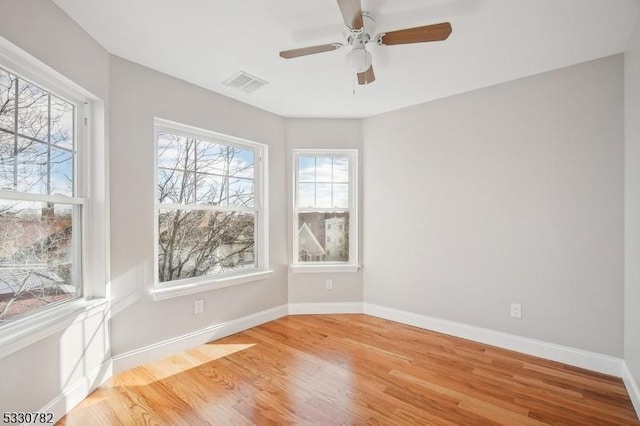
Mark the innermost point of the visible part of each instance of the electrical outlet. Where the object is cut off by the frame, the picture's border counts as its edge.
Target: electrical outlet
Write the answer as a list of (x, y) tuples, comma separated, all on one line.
[(516, 310), (329, 284), (199, 307)]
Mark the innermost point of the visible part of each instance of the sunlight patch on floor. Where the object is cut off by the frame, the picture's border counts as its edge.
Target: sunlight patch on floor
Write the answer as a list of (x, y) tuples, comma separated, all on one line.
[(176, 364)]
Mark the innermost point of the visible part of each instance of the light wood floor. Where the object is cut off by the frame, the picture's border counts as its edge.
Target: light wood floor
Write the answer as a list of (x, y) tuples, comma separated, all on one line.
[(354, 369)]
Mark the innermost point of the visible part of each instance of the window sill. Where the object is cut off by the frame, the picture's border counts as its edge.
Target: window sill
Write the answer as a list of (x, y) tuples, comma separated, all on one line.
[(25, 332), (332, 268), (163, 293)]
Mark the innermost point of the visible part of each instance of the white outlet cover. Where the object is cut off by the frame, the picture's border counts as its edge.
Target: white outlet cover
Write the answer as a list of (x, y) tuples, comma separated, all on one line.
[(199, 306), (516, 310)]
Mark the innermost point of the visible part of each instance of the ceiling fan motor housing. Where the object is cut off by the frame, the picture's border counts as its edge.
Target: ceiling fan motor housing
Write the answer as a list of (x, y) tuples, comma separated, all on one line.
[(359, 59), (359, 37)]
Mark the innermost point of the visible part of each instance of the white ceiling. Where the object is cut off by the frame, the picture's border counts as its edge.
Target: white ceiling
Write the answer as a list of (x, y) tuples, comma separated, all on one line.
[(207, 41)]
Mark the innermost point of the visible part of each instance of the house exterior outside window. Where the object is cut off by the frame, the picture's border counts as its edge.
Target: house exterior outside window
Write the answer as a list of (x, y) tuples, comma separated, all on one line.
[(325, 210)]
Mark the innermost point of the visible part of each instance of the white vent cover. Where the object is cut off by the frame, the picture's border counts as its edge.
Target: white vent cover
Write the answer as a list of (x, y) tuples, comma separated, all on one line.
[(245, 82)]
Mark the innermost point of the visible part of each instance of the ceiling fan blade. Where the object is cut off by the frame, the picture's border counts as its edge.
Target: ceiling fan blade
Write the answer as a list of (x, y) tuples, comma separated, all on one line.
[(366, 77), (436, 32), (294, 53), (351, 13)]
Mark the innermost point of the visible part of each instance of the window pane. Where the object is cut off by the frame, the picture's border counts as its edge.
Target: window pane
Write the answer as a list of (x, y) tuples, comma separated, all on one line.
[(323, 195), (175, 186), (241, 163), (306, 195), (340, 170), (36, 256), (32, 166), (212, 158), (61, 123), (202, 242), (33, 111), (7, 100), (173, 152), (229, 175), (211, 189), (61, 164), (323, 237), (307, 169), (7, 142), (241, 192), (341, 195), (323, 169)]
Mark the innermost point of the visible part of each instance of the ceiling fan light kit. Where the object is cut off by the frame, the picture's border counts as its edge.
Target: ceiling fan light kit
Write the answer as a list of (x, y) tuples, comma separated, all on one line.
[(359, 26), (358, 59)]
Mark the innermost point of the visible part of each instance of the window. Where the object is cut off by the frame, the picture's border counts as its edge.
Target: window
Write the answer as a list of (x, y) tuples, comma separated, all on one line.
[(325, 209), (40, 206), (210, 213)]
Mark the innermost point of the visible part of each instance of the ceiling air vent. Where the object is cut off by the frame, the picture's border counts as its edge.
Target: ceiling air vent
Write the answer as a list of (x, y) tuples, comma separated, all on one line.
[(245, 82)]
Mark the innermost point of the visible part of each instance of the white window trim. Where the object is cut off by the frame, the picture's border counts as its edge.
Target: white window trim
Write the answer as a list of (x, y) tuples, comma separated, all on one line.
[(40, 325), (200, 284), (178, 288), (330, 267), (91, 190)]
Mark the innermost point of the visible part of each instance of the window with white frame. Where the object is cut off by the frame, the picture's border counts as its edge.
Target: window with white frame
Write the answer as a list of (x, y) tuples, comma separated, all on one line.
[(210, 212), (325, 207), (40, 205)]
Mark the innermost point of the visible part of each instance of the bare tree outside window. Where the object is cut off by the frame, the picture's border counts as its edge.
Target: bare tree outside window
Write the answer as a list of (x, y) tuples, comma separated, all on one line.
[(36, 237), (207, 210)]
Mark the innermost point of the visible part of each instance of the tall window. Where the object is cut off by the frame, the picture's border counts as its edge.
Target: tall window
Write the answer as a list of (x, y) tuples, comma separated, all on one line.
[(209, 205), (325, 204), (40, 211)]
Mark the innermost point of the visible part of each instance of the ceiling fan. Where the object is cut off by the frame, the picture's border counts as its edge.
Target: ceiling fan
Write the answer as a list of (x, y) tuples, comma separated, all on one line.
[(359, 28)]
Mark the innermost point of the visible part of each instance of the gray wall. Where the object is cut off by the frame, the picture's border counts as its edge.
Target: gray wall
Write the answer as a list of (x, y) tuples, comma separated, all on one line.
[(139, 94), (35, 375), (43, 30), (632, 206), (512, 193), (314, 134)]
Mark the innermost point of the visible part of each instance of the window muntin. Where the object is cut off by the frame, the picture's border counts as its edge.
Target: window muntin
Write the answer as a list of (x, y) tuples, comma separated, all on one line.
[(325, 206), (40, 213), (209, 211)]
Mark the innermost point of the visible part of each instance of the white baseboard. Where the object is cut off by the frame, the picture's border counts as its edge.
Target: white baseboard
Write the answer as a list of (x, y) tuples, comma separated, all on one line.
[(632, 388), (178, 344), (325, 308), (76, 392), (579, 358)]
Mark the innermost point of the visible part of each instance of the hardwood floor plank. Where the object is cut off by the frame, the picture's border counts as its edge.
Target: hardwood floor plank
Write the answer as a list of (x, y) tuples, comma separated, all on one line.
[(354, 369), (461, 393)]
